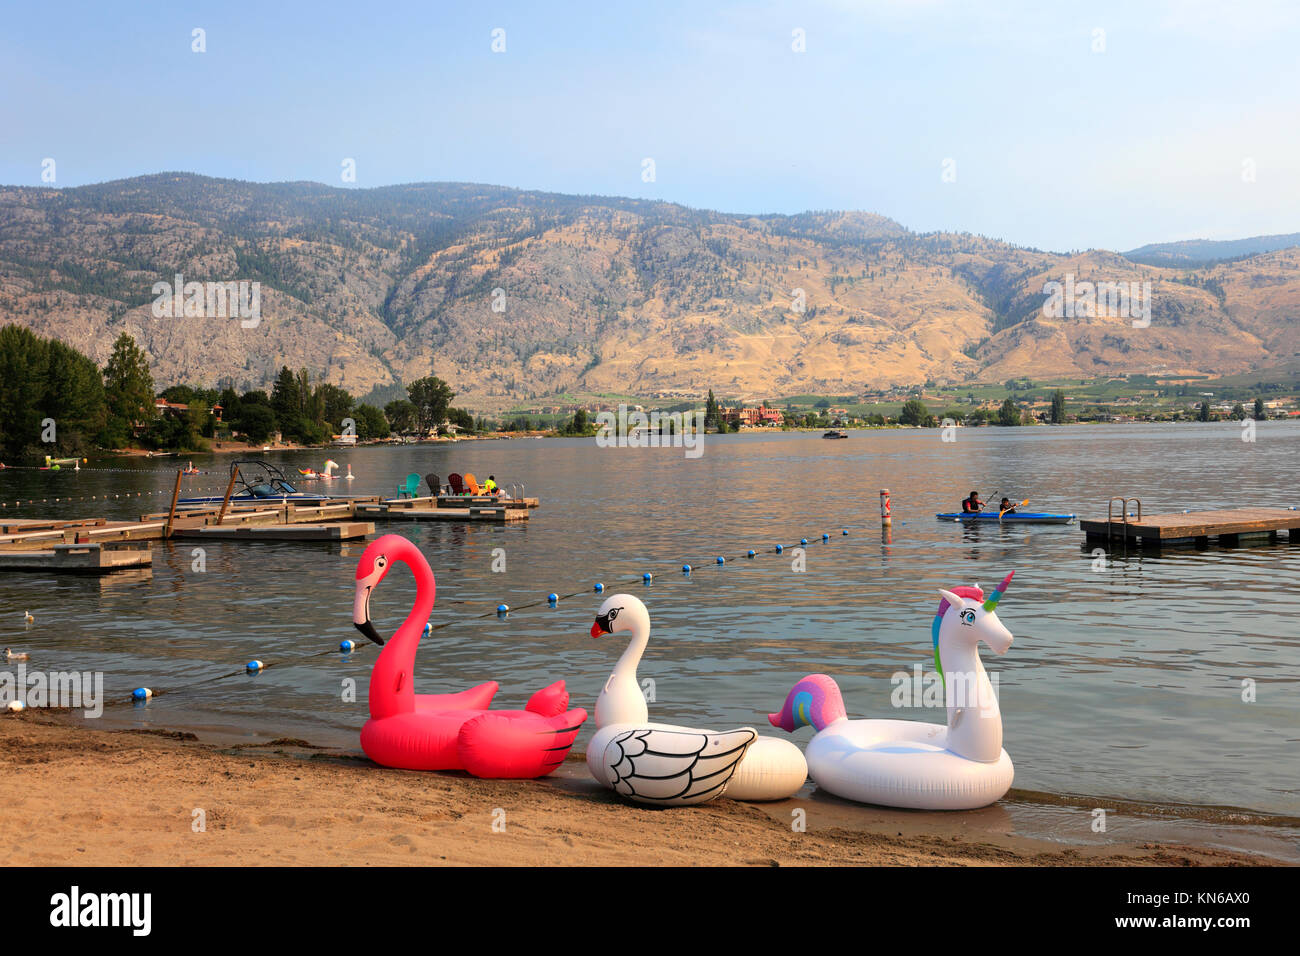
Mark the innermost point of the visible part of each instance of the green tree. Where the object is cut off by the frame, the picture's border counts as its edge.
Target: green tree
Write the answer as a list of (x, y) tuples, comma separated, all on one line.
[(401, 415), (579, 425), (336, 405), (1009, 413), (1238, 412), (128, 387), (711, 416), (286, 397), (74, 400), (371, 422), (1259, 414), (1204, 414), (1058, 407), (256, 422), (431, 397), (914, 412)]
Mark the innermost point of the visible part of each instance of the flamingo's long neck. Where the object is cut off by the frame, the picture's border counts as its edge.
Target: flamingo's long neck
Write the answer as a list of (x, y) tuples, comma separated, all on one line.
[(974, 720), (392, 689), (621, 701)]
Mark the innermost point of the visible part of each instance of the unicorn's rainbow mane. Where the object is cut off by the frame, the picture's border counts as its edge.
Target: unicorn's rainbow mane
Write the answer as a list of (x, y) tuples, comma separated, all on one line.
[(973, 592), (814, 701)]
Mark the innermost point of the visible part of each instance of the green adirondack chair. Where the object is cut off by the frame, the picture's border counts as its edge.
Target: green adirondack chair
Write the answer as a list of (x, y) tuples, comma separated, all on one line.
[(411, 486)]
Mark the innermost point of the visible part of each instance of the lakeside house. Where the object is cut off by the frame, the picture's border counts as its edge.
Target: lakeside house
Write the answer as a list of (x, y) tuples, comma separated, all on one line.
[(762, 416), (163, 407)]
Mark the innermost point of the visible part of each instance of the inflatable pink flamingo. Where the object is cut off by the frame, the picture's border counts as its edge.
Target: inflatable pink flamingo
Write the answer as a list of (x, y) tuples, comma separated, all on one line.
[(448, 731)]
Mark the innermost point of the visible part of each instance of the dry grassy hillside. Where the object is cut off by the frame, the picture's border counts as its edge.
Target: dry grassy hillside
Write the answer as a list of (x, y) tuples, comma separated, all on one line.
[(373, 287)]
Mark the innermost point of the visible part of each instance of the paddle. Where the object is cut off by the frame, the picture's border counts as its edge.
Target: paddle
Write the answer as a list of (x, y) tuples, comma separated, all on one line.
[(1012, 508)]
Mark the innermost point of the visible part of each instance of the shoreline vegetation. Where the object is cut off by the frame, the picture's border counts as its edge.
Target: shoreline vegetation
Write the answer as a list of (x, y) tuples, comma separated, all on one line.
[(56, 402), (287, 802)]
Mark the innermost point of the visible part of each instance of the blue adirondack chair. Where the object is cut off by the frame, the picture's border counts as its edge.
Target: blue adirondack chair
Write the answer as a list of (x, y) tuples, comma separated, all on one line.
[(409, 489)]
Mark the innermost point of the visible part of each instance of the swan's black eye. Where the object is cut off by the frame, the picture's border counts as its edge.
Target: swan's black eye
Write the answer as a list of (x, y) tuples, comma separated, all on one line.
[(613, 613)]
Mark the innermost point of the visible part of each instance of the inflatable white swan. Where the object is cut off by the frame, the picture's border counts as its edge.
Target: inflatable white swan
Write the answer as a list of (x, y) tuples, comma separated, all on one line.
[(668, 765), (906, 763)]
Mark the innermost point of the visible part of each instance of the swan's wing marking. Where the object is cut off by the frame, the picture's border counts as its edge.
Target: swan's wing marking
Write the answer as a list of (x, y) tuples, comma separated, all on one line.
[(671, 766)]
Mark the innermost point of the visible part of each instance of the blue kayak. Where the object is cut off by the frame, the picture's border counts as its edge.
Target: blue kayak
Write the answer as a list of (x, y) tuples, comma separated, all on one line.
[(1018, 517)]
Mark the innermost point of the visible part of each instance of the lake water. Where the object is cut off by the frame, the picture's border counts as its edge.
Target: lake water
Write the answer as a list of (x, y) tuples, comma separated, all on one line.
[(1125, 679)]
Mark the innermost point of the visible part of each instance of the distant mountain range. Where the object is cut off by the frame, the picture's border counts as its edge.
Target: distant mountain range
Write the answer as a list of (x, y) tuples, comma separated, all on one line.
[(1205, 251), (514, 296)]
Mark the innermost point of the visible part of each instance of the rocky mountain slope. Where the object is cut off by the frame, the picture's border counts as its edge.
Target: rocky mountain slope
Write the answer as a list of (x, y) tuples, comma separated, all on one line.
[(513, 296)]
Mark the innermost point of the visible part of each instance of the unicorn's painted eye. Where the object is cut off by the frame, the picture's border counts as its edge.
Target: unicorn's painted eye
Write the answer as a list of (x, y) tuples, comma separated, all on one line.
[(968, 616)]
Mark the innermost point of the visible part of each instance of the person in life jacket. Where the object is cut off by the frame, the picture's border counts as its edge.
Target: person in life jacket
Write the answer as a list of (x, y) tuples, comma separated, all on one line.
[(490, 486)]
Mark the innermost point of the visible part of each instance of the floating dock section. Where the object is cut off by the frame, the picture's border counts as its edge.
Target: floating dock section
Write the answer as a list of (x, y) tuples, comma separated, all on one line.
[(1228, 527), (101, 545), (76, 559)]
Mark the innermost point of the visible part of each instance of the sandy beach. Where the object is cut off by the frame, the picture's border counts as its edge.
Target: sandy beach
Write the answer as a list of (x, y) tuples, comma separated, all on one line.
[(102, 798)]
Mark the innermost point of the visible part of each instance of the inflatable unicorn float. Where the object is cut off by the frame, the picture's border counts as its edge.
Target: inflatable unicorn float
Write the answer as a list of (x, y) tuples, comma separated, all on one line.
[(667, 764), (906, 763), (448, 731), (326, 475)]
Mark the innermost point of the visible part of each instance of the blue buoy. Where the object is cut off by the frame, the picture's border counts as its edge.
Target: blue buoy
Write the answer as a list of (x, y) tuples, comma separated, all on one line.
[(346, 646), (721, 560), (845, 531), (647, 577), (803, 540), (686, 569), (141, 693), (503, 608), (826, 537), (552, 599), (779, 549), (254, 666), (751, 553), (428, 629), (599, 587)]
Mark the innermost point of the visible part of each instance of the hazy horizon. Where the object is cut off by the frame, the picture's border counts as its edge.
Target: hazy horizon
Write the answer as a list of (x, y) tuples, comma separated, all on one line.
[(1059, 129)]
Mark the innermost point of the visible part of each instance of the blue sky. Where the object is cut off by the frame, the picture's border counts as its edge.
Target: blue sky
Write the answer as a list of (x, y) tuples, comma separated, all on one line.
[(1054, 145)]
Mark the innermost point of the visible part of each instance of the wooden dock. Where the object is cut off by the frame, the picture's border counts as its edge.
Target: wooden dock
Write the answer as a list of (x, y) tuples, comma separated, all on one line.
[(76, 559), (88, 544), (481, 501), (1227, 527), (337, 531), (401, 511)]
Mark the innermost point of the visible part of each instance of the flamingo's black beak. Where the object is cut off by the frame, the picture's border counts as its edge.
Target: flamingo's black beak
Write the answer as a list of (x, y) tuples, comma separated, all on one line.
[(361, 613)]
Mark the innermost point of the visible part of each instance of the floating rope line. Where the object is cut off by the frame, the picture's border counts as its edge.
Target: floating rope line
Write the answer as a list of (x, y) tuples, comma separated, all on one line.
[(550, 600)]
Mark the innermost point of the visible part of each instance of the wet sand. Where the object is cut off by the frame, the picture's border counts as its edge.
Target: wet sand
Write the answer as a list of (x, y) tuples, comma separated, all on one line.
[(77, 796)]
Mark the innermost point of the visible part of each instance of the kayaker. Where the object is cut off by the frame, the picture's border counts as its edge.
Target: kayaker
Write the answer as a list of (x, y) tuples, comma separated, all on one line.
[(1006, 508), (972, 505)]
